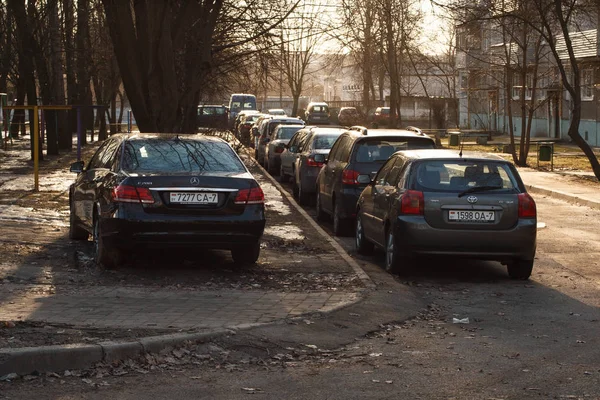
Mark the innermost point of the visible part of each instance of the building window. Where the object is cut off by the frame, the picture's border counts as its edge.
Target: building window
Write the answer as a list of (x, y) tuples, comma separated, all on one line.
[(528, 86), (516, 87), (587, 84)]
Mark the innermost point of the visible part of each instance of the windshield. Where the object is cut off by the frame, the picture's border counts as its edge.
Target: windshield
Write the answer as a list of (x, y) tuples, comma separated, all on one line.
[(369, 151), (325, 141), (179, 156), (288, 132), (464, 176)]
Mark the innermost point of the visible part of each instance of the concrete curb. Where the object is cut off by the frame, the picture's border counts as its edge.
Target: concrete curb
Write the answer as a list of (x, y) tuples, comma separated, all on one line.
[(362, 275), (27, 360), (568, 197)]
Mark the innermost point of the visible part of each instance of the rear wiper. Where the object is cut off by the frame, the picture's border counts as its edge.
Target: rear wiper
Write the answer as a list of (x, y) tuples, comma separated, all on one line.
[(478, 189)]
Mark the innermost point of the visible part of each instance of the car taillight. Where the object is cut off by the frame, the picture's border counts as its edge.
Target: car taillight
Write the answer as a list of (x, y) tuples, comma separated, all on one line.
[(349, 177), (250, 196), (279, 149), (527, 208), (412, 202), (132, 194), (310, 162)]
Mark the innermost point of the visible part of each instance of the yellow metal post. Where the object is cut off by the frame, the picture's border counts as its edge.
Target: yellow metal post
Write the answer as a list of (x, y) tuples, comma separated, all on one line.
[(36, 149)]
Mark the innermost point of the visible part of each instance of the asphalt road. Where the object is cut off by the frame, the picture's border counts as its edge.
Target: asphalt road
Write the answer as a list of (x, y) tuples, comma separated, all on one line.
[(523, 340)]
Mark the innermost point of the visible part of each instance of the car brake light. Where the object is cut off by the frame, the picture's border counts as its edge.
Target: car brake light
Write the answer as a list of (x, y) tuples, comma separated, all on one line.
[(132, 194), (527, 208), (412, 202), (349, 177), (310, 162), (250, 196), (279, 149)]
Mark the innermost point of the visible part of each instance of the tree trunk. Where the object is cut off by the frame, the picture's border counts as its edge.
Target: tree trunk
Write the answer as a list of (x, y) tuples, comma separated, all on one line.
[(72, 96), (83, 74)]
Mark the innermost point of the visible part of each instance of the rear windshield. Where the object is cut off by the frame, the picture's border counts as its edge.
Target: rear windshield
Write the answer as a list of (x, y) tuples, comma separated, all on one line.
[(274, 125), (213, 110), (287, 133), (324, 141), (179, 155), (458, 176), (320, 109), (369, 151)]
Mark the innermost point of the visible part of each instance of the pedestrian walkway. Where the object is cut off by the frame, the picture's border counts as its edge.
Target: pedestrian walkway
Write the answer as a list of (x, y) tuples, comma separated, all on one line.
[(571, 188)]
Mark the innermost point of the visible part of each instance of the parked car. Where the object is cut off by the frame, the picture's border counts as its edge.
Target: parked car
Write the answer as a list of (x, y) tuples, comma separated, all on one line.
[(280, 137), (290, 153), (317, 113), (238, 119), (239, 102), (244, 128), (381, 117), (441, 203), (265, 130), (358, 151), (312, 153), (162, 191), (212, 116), (349, 116), (277, 111)]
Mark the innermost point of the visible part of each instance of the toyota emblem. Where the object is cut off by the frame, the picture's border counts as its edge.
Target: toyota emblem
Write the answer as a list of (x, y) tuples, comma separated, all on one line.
[(472, 199), (196, 181)]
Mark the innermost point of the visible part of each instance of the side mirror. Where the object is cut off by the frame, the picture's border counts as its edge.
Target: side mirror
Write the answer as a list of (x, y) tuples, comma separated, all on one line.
[(364, 179), (77, 167), (320, 158)]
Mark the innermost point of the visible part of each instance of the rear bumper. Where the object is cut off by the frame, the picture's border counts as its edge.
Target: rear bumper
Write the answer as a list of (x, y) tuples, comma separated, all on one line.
[(417, 237), (308, 177), (163, 231)]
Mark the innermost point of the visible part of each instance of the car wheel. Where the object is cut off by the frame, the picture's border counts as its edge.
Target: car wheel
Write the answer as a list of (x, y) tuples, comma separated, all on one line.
[(340, 225), (395, 260), (303, 197), (105, 256), (321, 214), (282, 177), (76, 232), (295, 189), (246, 254), (363, 246), (520, 269), (271, 169)]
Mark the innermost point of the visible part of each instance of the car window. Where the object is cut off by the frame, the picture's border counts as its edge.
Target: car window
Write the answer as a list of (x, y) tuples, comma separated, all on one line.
[(394, 174), (324, 141), (107, 157), (375, 150), (303, 143), (382, 176), (335, 148), (96, 162), (179, 156), (344, 154), (457, 176), (286, 133)]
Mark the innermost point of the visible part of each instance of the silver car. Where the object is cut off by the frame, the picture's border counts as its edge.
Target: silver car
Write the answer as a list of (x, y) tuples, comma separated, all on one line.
[(439, 203), (280, 137)]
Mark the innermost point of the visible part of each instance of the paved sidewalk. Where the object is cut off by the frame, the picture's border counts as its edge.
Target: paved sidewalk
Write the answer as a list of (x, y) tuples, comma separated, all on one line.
[(127, 307), (566, 187)]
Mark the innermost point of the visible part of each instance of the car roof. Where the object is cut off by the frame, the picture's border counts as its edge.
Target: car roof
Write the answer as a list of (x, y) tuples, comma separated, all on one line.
[(319, 130), (280, 126), (212, 105), (358, 132), (445, 154), (168, 136), (278, 118)]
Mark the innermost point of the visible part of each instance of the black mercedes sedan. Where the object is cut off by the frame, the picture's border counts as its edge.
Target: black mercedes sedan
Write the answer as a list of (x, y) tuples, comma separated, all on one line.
[(166, 190)]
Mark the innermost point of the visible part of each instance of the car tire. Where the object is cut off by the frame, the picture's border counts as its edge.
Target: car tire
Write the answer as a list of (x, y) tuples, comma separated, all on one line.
[(295, 189), (282, 177), (303, 197), (271, 169), (396, 262), (76, 232), (321, 214), (340, 225), (246, 254), (520, 269), (105, 256), (363, 246)]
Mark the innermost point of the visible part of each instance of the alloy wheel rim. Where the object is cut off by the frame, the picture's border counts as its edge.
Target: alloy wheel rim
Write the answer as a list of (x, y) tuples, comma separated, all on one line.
[(359, 232), (390, 250)]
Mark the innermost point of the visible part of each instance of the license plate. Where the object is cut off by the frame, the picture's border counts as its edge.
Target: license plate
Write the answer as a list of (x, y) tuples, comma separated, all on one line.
[(193, 198), (471, 216)]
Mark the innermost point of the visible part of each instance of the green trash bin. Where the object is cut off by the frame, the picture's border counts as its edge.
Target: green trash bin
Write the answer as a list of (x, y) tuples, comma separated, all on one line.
[(454, 139), (545, 152)]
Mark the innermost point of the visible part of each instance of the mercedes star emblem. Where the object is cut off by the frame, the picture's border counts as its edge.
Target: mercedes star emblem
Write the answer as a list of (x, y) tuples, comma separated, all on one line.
[(196, 181), (472, 199)]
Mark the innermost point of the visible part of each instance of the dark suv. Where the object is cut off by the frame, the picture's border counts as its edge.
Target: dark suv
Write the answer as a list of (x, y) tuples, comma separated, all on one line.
[(358, 151), (212, 116), (317, 113)]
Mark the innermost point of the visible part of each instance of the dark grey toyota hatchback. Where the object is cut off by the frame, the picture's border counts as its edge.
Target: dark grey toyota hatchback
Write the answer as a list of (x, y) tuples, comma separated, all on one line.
[(165, 191), (437, 202)]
